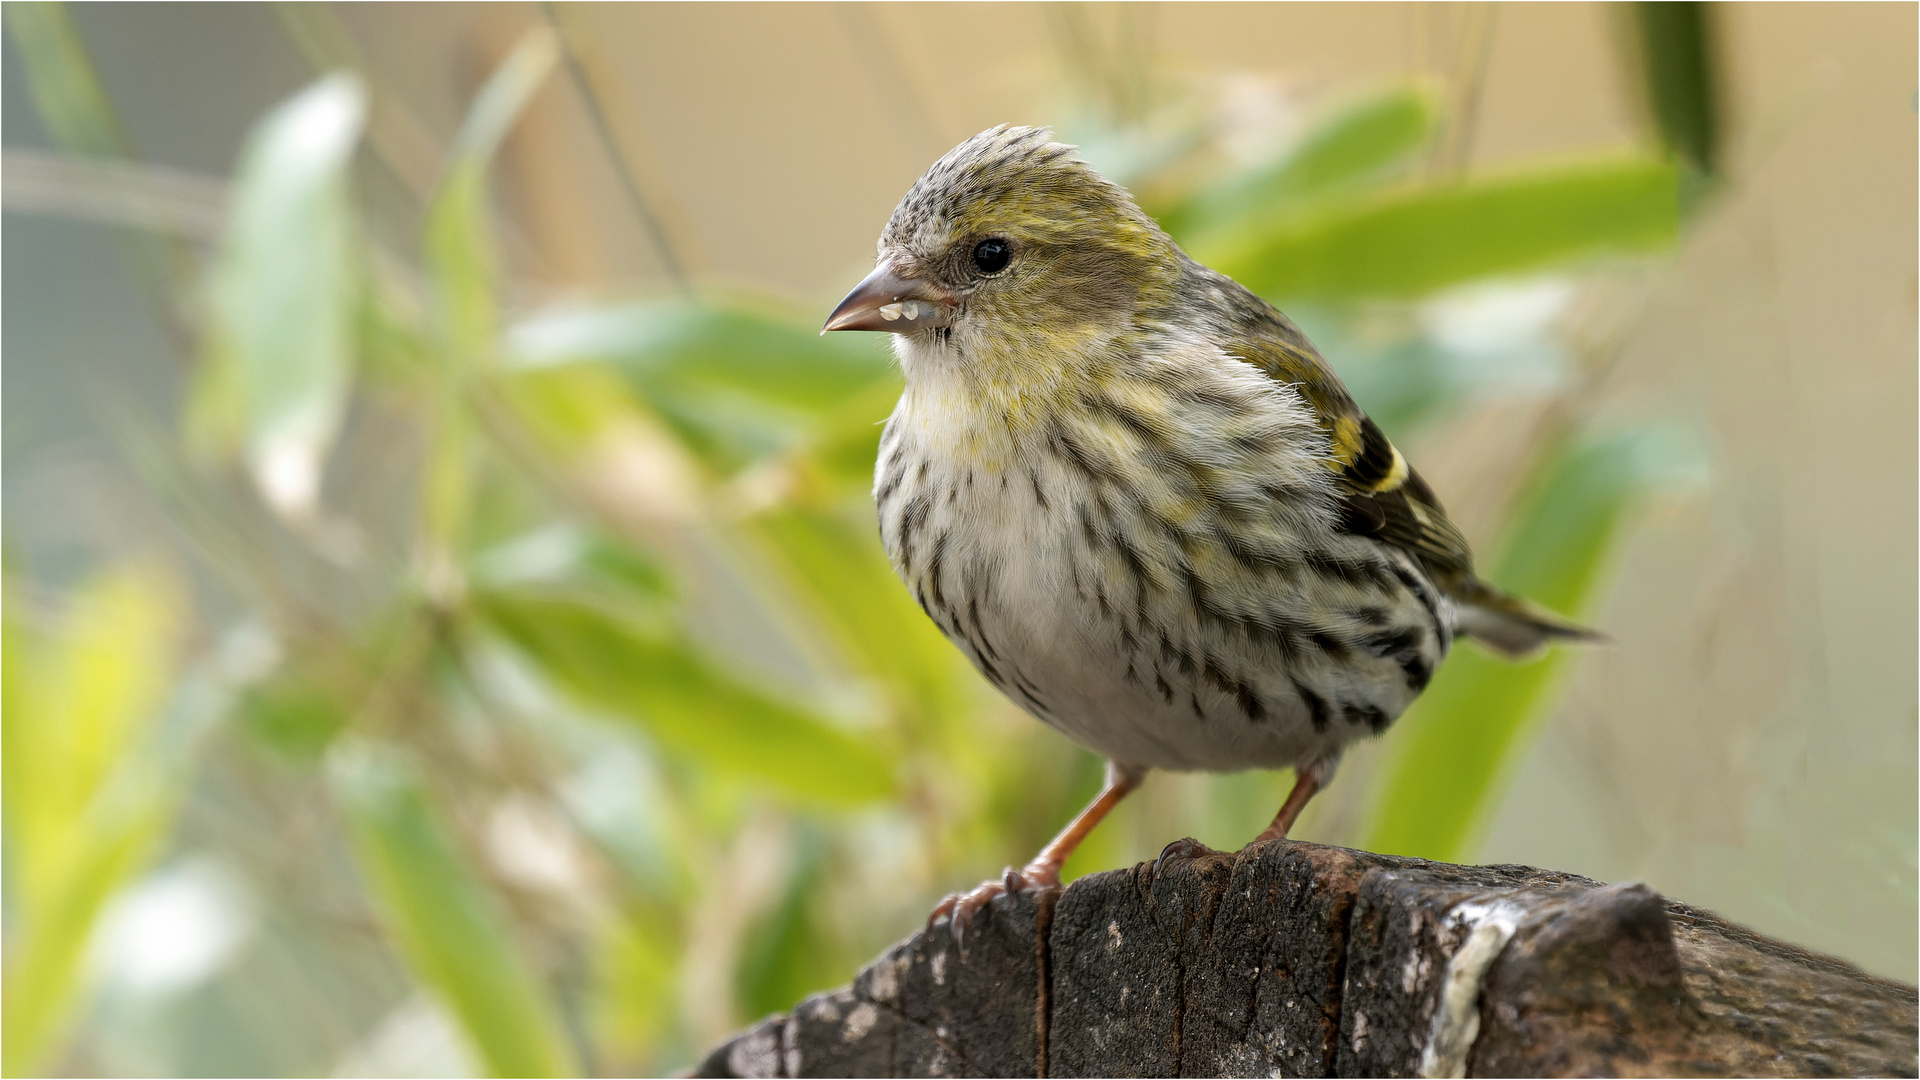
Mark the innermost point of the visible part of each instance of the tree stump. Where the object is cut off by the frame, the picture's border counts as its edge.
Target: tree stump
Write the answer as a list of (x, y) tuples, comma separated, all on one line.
[(1291, 959)]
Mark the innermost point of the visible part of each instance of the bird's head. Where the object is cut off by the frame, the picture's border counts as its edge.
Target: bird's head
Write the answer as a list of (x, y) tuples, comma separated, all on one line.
[(1012, 248)]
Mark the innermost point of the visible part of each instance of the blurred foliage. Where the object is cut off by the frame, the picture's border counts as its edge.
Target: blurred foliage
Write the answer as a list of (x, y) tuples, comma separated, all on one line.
[(88, 794), (1561, 529), (547, 659), (1677, 69)]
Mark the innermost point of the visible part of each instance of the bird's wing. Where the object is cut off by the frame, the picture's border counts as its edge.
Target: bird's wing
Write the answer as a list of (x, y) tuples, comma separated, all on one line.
[(1381, 495)]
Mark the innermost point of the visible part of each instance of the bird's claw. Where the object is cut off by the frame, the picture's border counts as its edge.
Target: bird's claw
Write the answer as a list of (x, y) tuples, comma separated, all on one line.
[(960, 909), (1184, 848), (943, 908)]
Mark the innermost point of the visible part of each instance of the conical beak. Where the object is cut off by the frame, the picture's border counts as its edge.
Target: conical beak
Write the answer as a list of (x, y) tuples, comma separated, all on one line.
[(887, 301)]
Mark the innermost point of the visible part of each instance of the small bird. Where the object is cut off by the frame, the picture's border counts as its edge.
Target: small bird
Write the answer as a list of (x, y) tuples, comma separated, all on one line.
[(1136, 497)]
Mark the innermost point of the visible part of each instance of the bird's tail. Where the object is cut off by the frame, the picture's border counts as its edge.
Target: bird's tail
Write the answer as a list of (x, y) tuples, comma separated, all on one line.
[(1509, 624)]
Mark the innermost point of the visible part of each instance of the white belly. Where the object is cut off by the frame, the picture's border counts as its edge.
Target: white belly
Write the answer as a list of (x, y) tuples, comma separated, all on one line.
[(1131, 673)]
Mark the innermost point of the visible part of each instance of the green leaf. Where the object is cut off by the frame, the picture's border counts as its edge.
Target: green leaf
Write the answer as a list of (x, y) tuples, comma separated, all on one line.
[(1356, 144), (1415, 241), (283, 295), (88, 793), (562, 555), (294, 716), (1676, 54), (460, 255), (786, 955), (80, 117), (646, 675), (635, 960), (840, 569), (449, 929), (65, 89), (738, 343), (1456, 742), (736, 377)]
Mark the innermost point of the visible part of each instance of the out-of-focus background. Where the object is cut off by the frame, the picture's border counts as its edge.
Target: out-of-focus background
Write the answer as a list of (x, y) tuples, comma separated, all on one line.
[(445, 630)]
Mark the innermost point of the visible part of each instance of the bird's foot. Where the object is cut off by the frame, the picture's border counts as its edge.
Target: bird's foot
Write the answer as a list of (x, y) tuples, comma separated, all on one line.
[(960, 908), (1184, 848)]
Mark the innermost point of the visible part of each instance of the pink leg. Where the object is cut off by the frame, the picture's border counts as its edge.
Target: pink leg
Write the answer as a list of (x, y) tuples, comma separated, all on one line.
[(1044, 871), (1307, 781)]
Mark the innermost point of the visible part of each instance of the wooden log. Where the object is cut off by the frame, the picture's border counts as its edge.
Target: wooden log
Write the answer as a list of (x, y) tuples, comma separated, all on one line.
[(1292, 959)]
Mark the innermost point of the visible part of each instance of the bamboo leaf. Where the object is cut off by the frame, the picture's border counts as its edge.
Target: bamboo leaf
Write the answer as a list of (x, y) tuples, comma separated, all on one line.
[(644, 674), (66, 91), (846, 578), (1456, 742), (79, 116), (731, 342), (1676, 62), (444, 923), (635, 960), (295, 715), (738, 379), (1356, 144), (460, 255), (1411, 242), (783, 957), (283, 296), (87, 797)]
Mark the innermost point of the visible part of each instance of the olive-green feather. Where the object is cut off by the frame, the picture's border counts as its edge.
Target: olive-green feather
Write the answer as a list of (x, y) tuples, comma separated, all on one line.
[(1381, 495)]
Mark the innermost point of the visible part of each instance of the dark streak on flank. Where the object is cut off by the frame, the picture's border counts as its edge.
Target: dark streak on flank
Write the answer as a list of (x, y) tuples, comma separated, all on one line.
[(910, 519), (890, 483), (973, 616), (1250, 703), (1423, 593), (1316, 705), (1417, 670), (934, 568)]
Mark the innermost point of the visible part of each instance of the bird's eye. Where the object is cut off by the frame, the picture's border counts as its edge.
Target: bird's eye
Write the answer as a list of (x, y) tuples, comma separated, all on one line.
[(990, 256)]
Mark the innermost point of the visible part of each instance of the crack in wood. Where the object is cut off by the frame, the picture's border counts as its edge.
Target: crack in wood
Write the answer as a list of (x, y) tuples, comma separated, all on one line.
[(1043, 991)]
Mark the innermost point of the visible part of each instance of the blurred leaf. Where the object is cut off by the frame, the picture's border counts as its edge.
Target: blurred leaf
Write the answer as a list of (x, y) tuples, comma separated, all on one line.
[(845, 577), (782, 958), (566, 556), (459, 245), (1415, 241), (1458, 738), (389, 331), (635, 971), (738, 379), (295, 716), (763, 349), (86, 796), (65, 89), (845, 443), (277, 376), (644, 674), (448, 927), (1676, 55), (1356, 144), (461, 269), (568, 408), (74, 106)]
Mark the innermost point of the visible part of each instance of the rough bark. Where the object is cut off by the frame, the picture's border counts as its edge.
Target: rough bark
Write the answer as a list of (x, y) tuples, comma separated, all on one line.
[(1291, 959)]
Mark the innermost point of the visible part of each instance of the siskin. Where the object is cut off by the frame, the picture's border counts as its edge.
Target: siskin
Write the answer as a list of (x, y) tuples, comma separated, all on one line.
[(1137, 498)]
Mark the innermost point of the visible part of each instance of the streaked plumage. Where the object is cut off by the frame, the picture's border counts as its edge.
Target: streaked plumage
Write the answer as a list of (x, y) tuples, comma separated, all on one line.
[(1135, 495)]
